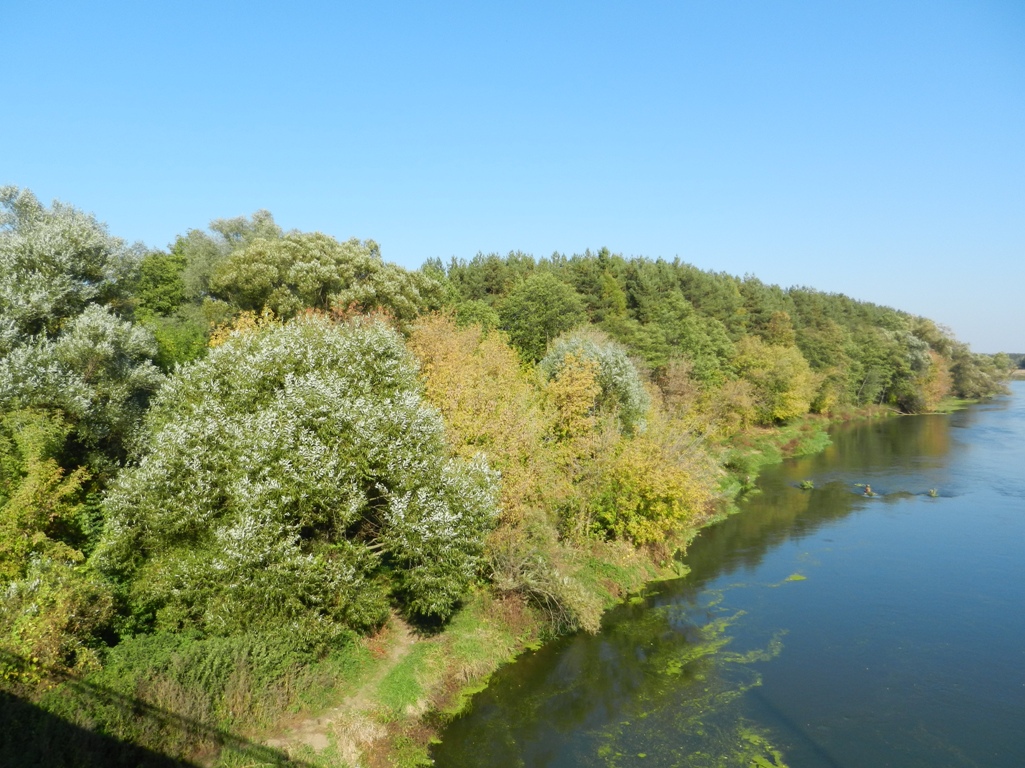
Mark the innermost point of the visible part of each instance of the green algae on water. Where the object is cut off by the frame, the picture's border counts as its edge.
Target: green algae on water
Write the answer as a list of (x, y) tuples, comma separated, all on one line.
[(689, 710)]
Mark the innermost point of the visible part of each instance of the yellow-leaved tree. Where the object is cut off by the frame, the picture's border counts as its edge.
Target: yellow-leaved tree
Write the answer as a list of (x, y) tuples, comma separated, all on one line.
[(657, 488), (784, 383), (491, 403)]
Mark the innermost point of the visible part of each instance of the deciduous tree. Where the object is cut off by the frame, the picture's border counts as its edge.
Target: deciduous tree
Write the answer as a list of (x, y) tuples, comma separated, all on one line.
[(281, 473)]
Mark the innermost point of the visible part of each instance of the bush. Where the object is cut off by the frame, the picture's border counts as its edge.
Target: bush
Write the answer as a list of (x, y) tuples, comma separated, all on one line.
[(784, 384), (621, 389), (98, 372), (50, 619), (281, 474), (40, 505), (312, 270), (492, 404), (182, 695), (657, 488), (55, 263)]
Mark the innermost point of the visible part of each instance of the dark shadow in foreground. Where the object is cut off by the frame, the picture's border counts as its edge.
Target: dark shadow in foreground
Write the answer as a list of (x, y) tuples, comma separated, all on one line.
[(30, 736)]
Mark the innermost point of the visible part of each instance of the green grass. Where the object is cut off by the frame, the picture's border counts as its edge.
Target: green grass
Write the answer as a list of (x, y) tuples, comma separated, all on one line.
[(750, 452), (951, 404), (182, 695), (402, 688)]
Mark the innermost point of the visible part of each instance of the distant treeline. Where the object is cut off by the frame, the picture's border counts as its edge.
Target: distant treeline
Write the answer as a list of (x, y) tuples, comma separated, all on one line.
[(223, 462)]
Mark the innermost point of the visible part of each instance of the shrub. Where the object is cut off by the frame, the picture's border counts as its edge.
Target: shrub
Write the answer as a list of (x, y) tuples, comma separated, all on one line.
[(620, 384), (492, 404), (98, 372), (312, 270), (657, 488), (784, 384), (50, 618), (40, 505), (55, 262), (281, 474)]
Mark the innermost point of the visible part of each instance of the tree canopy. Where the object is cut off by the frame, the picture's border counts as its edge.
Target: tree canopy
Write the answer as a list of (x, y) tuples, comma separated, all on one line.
[(54, 262), (223, 460), (539, 309), (281, 473)]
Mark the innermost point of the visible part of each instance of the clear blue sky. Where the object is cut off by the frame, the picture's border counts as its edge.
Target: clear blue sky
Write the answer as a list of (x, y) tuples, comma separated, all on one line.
[(871, 148)]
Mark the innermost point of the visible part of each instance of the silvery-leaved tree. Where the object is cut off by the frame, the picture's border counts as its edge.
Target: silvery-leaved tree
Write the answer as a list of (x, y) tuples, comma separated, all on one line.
[(98, 373), (54, 262), (295, 478), (621, 388), (63, 348), (312, 270)]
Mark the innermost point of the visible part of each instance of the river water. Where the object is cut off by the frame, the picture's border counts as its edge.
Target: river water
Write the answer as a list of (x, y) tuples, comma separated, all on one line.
[(817, 628)]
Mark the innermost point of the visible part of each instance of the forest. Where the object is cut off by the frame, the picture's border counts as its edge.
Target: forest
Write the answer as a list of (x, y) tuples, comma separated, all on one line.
[(228, 467)]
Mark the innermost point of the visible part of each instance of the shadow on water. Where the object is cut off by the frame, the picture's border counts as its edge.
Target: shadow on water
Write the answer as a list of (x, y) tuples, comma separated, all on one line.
[(797, 731), (32, 736)]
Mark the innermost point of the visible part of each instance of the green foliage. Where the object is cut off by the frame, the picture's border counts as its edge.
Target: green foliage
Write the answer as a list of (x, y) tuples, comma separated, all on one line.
[(300, 271), (528, 558), (181, 337), (293, 485), (184, 696), (621, 390), (477, 312), (537, 310), (489, 277), (51, 617), (656, 489), (159, 286), (203, 252), (97, 372), (783, 382), (280, 474), (40, 506), (665, 312), (55, 262), (975, 375), (491, 404), (51, 608), (205, 666)]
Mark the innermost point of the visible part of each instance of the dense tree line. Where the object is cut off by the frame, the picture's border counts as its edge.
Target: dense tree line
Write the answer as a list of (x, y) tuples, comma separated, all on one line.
[(259, 434), (798, 349)]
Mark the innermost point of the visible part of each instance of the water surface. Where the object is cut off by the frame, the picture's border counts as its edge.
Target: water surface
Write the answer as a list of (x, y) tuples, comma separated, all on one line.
[(817, 628)]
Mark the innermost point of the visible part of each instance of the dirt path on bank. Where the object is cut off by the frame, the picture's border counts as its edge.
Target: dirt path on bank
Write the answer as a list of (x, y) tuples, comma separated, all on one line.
[(349, 724)]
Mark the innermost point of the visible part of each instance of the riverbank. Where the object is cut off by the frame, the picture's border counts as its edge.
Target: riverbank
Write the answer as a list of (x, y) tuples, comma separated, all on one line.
[(411, 684), (373, 701), (754, 642)]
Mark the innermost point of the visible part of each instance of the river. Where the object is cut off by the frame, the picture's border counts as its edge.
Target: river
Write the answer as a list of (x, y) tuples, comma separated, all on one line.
[(817, 628)]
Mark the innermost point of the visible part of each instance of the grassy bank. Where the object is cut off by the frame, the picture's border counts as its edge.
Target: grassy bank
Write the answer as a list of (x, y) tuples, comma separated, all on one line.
[(374, 700), (407, 702), (417, 681)]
